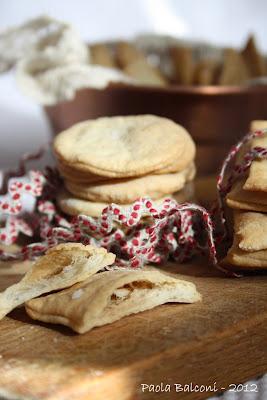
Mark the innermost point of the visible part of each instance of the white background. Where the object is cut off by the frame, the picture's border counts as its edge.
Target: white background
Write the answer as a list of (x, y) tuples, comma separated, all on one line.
[(228, 22)]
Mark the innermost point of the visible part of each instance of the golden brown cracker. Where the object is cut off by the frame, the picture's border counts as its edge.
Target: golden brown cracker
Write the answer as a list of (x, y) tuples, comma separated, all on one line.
[(109, 296)]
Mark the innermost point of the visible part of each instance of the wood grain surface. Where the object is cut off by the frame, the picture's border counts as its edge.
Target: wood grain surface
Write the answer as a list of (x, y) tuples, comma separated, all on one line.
[(221, 339)]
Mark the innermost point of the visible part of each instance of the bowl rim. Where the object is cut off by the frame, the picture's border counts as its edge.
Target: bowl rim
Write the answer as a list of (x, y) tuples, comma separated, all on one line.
[(191, 89), (175, 90)]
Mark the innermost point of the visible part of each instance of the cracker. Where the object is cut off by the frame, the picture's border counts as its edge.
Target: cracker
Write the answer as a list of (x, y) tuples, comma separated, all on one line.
[(77, 176), (134, 63), (127, 53), (100, 54), (183, 64), (251, 230), (204, 72), (234, 70), (238, 198), (249, 248), (258, 125), (253, 59), (257, 172), (145, 74), (257, 177), (110, 296), (177, 165), (125, 146), (128, 190), (241, 259), (85, 177), (72, 205), (62, 266)]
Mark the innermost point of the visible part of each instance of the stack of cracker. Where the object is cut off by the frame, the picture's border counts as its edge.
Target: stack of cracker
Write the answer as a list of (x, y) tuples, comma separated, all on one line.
[(120, 159), (248, 199)]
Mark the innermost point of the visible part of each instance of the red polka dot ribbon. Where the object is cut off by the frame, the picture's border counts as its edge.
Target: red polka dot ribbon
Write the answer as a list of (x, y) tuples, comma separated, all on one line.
[(13, 216), (143, 233)]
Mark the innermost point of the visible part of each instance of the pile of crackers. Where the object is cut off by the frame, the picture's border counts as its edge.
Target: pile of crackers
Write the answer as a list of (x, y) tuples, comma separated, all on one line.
[(120, 159), (130, 60), (248, 201), (187, 65), (78, 291)]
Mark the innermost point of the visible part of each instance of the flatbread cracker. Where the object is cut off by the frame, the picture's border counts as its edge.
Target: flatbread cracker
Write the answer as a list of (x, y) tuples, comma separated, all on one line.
[(145, 74), (249, 248), (257, 172), (251, 230), (110, 296), (127, 53), (183, 64), (62, 266), (77, 176), (72, 205), (258, 125), (128, 190), (238, 198), (71, 174), (134, 63), (254, 60), (125, 146), (205, 72), (100, 54), (234, 70), (241, 259), (257, 177)]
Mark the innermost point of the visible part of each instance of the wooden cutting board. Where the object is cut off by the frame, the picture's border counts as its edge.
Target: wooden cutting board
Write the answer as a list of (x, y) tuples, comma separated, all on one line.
[(219, 341)]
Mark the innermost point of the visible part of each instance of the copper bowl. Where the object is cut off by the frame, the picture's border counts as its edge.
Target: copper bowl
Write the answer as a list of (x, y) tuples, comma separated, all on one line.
[(216, 116)]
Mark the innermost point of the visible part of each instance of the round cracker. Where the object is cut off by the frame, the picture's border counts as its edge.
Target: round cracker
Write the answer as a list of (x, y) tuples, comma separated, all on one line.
[(125, 146), (128, 190), (73, 206), (72, 175), (85, 177)]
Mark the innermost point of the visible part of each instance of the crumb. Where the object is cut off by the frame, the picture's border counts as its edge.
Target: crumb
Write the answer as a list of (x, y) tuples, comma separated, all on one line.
[(22, 338), (77, 294)]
